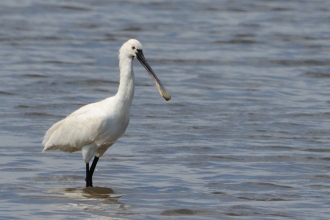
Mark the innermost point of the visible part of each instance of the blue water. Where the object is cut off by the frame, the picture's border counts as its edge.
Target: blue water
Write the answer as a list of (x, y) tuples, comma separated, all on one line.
[(245, 135)]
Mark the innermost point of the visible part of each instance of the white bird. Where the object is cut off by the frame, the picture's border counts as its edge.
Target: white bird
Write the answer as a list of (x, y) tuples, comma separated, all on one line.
[(95, 127)]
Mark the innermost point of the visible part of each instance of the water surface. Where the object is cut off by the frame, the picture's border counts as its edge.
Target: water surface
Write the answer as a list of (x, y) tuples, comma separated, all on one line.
[(245, 136)]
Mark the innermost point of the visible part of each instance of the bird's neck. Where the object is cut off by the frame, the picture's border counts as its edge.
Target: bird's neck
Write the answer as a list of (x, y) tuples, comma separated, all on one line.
[(126, 83)]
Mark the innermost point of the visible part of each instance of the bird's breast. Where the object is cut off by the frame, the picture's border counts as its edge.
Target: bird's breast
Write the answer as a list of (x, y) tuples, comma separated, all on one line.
[(113, 127)]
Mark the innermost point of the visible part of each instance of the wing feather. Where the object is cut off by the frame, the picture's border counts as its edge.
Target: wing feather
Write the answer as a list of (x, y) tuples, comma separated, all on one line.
[(76, 130)]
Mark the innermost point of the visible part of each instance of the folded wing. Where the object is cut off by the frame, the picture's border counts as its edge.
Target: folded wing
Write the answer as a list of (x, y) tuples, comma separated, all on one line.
[(79, 129)]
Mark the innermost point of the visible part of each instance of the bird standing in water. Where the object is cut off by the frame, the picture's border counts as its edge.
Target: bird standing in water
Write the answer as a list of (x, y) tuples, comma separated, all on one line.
[(93, 128)]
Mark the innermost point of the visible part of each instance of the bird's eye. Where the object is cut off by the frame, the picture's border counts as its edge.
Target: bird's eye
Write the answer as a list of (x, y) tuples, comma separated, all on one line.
[(133, 48)]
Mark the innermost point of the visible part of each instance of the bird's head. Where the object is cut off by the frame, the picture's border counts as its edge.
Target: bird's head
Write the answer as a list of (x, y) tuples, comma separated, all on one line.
[(133, 49), (130, 48)]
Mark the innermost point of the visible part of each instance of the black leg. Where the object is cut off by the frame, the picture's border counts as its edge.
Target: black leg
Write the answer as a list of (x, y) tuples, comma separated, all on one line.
[(91, 171), (88, 177)]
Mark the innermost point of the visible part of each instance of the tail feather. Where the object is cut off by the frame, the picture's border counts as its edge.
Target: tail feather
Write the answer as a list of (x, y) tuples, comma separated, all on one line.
[(47, 145)]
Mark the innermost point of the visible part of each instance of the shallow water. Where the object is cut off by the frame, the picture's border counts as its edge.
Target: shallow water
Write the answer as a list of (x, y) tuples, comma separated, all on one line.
[(245, 136)]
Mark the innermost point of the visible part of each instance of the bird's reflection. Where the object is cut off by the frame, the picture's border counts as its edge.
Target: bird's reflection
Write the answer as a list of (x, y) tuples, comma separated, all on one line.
[(89, 193)]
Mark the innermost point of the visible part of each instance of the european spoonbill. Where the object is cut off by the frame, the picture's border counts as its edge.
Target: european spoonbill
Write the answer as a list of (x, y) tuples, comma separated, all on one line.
[(95, 127)]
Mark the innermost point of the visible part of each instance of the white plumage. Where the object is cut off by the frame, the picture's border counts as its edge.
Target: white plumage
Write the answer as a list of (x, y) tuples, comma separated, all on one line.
[(89, 125), (95, 127)]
